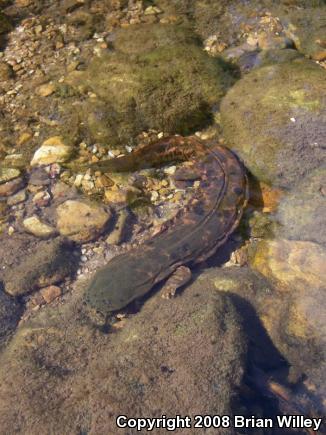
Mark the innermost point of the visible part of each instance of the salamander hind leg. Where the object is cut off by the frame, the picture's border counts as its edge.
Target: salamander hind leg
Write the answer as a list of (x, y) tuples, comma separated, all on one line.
[(180, 277)]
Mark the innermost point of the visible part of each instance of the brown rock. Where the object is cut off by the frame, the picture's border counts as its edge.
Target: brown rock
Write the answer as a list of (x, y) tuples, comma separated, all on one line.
[(81, 221), (11, 187), (185, 356), (50, 293), (29, 263), (38, 228), (265, 197), (116, 195), (46, 90), (23, 3)]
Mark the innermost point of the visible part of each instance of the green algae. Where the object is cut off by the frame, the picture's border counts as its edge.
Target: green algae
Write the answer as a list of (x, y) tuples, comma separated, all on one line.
[(261, 225), (144, 38), (169, 88), (296, 99), (306, 27), (267, 116)]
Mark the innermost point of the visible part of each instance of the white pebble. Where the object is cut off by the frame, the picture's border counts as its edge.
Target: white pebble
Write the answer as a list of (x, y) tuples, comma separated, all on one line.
[(170, 170), (78, 180)]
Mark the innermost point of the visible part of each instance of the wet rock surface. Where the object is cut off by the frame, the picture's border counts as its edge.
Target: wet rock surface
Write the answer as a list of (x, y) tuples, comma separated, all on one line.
[(105, 374), (291, 315), (53, 150), (302, 213), (28, 263), (86, 81), (278, 146), (81, 221)]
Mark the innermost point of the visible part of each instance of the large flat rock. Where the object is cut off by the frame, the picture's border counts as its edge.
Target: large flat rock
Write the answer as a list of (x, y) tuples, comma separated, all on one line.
[(183, 356)]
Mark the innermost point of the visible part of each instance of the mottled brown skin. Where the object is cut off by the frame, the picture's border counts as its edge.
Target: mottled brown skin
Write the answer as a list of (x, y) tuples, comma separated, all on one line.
[(190, 238)]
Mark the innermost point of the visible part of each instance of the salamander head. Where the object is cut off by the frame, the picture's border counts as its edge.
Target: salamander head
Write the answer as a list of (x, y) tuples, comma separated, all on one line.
[(113, 287)]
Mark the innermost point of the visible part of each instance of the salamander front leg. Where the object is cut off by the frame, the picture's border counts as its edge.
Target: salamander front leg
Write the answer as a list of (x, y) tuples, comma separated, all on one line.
[(179, 277)]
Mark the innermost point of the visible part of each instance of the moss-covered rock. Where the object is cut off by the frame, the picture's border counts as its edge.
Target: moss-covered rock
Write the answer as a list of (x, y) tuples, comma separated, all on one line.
[(145, 38), (275, 119), (273, 56), (307, 28), (165, 87)]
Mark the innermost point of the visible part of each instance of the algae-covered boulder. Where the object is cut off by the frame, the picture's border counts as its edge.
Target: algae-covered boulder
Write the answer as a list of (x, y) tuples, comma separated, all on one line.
[(307, 29), (183, 356), (273, 56), (144, 38), (275, 119), (149, 85)]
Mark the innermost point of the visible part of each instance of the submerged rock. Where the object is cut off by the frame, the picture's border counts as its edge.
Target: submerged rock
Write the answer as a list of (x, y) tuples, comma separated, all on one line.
[(275, 119), (296, 264), (169, 88), (302, 213), (38, 228), (183, 356), (8, 174), (53, 150), (144, 38), (11, 187), (81, 221), (285, 323), (17, 198), (307, 28), (29, 263)]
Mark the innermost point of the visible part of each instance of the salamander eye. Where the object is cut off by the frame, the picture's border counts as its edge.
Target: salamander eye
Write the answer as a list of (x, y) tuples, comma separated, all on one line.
[(238, 190)]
